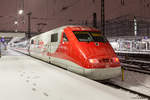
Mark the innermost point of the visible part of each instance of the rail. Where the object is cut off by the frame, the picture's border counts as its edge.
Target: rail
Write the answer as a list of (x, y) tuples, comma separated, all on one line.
[(136, 65), (135, 68), (135, 62), (112, 84)]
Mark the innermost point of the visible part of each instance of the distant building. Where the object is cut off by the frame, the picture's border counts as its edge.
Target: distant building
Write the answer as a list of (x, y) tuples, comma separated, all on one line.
[(127, 26)]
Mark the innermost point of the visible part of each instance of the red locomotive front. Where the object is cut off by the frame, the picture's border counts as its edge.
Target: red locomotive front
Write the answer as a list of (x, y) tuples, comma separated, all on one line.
[(91, 50)]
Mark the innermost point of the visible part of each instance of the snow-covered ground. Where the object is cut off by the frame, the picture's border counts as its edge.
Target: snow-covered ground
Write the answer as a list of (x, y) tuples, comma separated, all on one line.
[(135, 81), (25, 78), (10, 53)]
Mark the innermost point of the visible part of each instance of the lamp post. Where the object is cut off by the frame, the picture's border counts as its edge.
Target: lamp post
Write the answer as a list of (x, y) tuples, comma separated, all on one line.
[(29, 25), (135, 26), (94, 20), (102, 17)]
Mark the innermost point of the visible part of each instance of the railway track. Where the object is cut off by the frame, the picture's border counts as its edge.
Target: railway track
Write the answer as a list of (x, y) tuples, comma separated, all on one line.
[(138, 94), (135, 68), (136, 64)]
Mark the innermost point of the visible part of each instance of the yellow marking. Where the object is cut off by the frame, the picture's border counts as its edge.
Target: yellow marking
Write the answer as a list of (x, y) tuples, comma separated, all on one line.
[(96, 34), (81, 32), (122, 70)]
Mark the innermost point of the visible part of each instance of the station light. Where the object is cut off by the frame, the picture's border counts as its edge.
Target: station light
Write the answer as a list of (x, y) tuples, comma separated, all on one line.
[(15, 22), (135, 26), (145, 37), (20, 12)]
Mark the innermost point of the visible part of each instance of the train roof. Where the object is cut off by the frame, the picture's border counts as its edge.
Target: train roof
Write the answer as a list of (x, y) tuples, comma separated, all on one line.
[(76, 27), (72, 27), (80, 27)]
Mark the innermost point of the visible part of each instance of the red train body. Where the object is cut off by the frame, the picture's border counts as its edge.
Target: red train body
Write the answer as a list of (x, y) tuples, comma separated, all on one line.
[(80, 49)]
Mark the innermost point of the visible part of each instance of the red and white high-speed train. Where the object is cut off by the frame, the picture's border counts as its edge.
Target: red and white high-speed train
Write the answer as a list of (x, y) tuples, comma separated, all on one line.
[(80, 49)]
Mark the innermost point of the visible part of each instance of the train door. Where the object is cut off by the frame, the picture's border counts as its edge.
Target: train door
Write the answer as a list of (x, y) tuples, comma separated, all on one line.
[(65, 51), (54, 43), (65, 45)]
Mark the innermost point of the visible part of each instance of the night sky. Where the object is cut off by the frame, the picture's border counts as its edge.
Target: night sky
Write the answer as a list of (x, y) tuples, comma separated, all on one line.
[(56, 13)]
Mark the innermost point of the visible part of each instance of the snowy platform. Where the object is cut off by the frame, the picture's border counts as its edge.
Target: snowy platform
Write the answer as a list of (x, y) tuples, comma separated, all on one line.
[(135, 81), (25, 78)]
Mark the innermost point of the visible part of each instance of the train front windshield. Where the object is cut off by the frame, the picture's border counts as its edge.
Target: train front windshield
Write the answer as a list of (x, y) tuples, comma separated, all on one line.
[(87, 36)]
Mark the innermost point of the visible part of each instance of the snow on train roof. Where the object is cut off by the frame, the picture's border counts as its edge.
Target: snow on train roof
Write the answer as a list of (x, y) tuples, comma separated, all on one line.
[(73, 27), (81, 27)]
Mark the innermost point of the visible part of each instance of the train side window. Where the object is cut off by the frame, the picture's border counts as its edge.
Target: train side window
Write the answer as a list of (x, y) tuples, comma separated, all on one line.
[(54, 37), (65, 39), (32, 41)]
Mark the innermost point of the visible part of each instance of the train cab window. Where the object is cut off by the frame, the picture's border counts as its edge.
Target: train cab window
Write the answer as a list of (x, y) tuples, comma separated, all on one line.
[(65, 39), (83, 36), (87, 36), (98, 37), (32, 41), (54, 37)]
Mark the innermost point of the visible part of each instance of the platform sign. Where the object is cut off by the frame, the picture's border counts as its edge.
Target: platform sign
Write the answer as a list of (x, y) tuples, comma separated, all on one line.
[(145, 37), (2, 39)]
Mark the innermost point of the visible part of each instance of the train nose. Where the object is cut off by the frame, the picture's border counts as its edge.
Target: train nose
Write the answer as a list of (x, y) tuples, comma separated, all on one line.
[(93, 61), (103, 62), (103, 68), (102, 74)]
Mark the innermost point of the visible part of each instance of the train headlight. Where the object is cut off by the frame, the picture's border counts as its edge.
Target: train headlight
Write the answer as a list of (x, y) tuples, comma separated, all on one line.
[(115, 59), (93, 61)]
